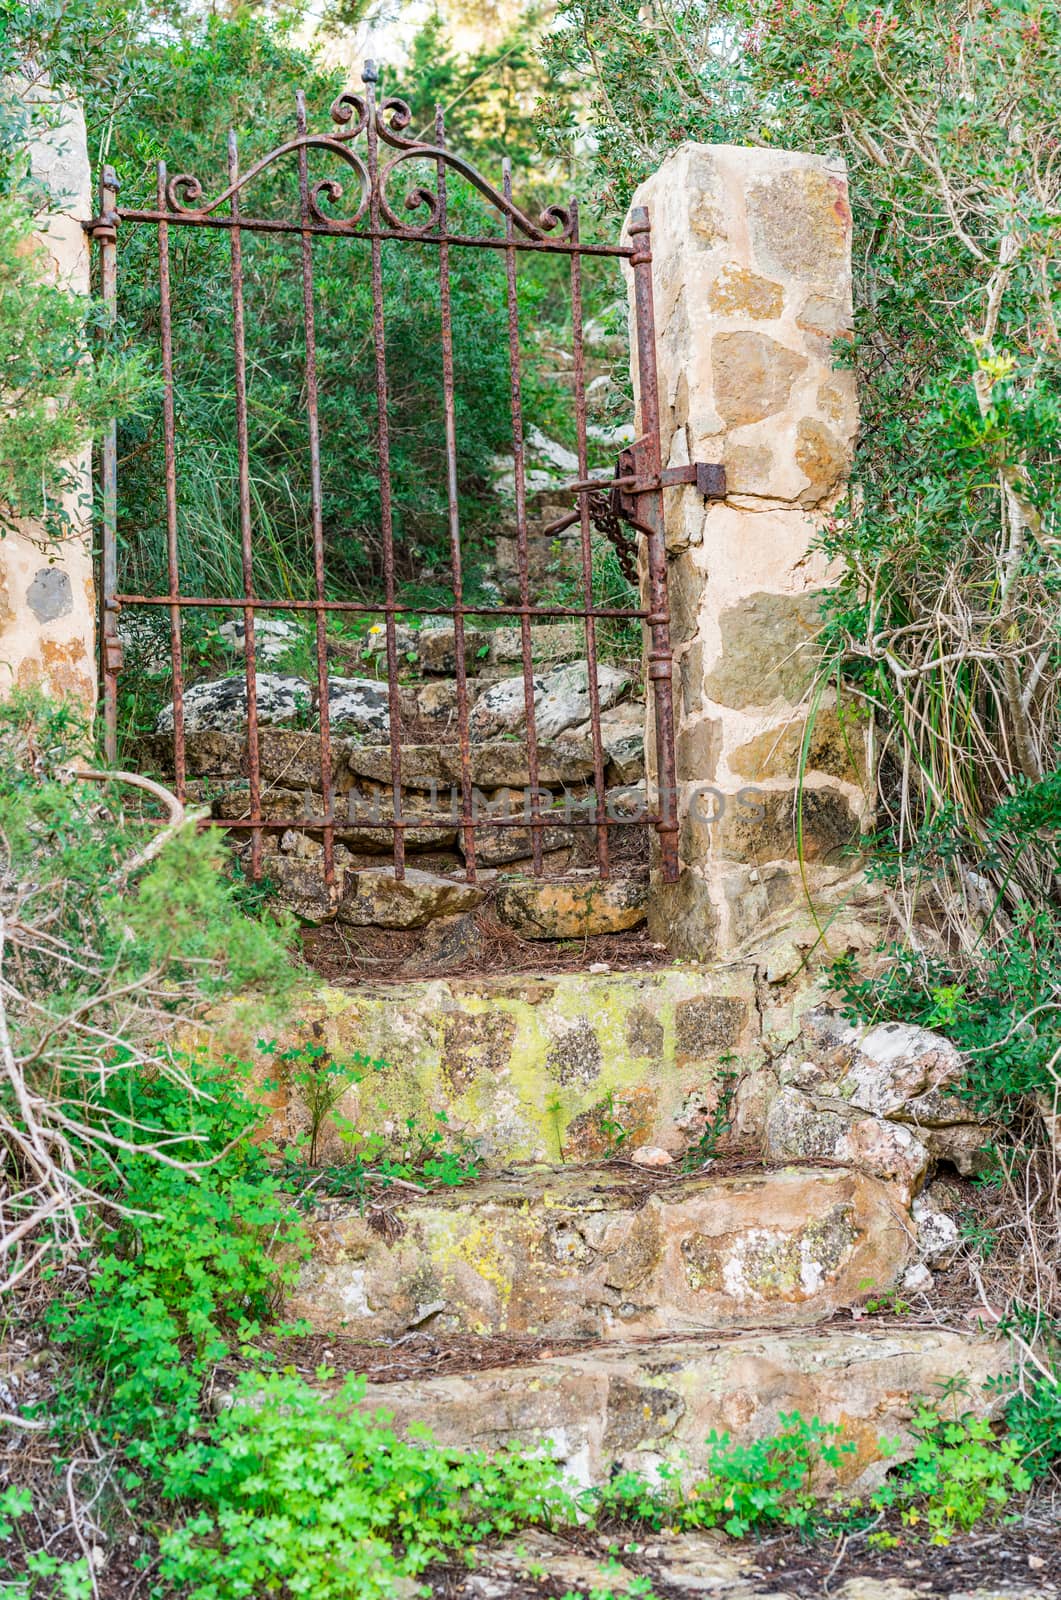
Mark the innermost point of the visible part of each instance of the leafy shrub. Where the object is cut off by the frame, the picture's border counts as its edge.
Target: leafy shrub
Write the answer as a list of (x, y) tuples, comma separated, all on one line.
[(113, 935), (191, 1271), (960, 1473), (71, 843), (1033, 1411), (305, 1494), (53, 400), (746, 1486)]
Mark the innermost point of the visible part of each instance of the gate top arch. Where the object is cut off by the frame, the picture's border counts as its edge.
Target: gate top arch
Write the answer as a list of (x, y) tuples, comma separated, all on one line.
[(365, 130)]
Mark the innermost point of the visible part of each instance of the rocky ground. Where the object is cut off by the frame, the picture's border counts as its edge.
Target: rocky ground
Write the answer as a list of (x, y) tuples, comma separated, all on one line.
[(1018, 1563), (1022, 1563), (623, 1308)]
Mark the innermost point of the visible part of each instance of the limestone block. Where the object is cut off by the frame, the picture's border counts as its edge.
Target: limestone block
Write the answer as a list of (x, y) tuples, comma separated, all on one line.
[(273, 636), (501, 845), (937, 1234), (738, 292), (292, 757), (540, 909), (636, 1406), (758, 897), (773, 825), (799, 1129), (437, 700), (715, 290), (883, 1098), (622, 731), (221, 704), (592, 1254), (828, 741), (377, 898), (799, 220), (550, 641), (527, 1066), (437, 651), (367, 839), (766, 650), (753, 376), (966, 1145), (495, 764), (448, 945), (231, 802), (303, 889), (885, 1070), (561, 701), (685, 915)]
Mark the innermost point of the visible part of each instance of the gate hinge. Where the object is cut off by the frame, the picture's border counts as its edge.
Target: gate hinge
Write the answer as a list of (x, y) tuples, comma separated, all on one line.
[(112, 655), (103, 228)]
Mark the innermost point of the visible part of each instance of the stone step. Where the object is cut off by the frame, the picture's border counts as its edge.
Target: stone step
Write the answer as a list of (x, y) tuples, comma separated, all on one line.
[(606, 1253), (291, 758), (567, 1067), (531, 1067), (639, 1405)]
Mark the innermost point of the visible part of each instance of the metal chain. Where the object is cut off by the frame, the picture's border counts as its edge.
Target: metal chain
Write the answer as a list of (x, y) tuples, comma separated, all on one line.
[(607, 522)]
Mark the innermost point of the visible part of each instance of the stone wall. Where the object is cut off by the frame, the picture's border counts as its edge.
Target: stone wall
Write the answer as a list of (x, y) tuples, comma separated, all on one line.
[(47, 596), (752, 279)]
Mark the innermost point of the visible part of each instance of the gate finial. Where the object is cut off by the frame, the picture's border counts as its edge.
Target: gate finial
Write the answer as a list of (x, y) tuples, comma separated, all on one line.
[(370, 72)]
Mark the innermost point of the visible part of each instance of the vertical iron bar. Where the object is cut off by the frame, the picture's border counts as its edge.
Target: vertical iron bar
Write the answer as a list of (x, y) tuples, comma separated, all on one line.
[(170, 458), (370, 77), (587, 549), (519, 476), (245, 523), (316, 519), (456, 570), (111, 654), (660, 666)]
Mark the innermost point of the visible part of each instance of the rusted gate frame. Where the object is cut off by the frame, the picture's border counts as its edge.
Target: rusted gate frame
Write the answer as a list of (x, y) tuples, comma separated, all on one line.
[(180, 203)]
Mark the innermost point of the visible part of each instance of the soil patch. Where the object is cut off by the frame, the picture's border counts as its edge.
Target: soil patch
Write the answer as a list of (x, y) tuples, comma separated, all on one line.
[(345, 956)]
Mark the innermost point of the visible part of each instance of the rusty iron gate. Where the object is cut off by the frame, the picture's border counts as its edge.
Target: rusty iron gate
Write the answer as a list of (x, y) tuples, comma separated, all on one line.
[(365, 130)]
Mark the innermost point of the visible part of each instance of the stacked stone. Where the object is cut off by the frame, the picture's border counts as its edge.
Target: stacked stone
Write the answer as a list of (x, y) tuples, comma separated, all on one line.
[(290, 769), (752, 278)]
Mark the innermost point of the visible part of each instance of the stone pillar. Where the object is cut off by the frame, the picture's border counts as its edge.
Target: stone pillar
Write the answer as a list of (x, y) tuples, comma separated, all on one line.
[(47, 595), (752, 279)]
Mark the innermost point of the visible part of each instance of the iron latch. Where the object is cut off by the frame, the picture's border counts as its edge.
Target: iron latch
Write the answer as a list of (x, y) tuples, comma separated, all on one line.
[(613, 502)]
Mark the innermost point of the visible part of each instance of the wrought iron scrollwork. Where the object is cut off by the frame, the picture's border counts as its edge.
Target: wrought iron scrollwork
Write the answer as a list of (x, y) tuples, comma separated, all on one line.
[(184, 191), (379, 124)]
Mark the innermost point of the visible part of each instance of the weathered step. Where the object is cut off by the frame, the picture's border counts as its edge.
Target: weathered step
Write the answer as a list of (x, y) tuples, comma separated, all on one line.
[(607, 1253), (533, 1068), (640, 1405)]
